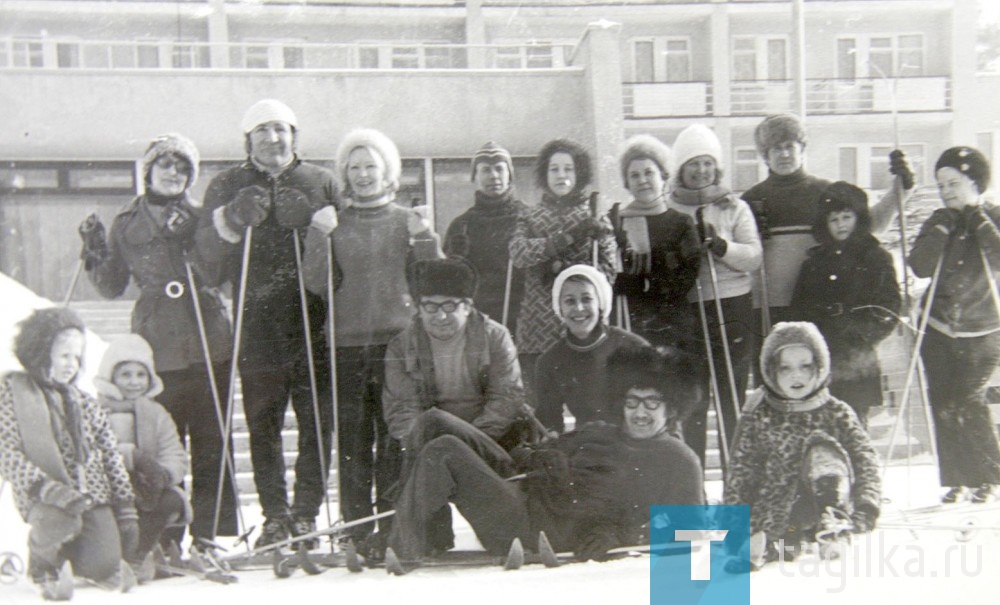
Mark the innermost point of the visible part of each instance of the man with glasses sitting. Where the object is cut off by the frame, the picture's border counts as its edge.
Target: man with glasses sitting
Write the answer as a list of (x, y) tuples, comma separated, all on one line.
[(589, 490)]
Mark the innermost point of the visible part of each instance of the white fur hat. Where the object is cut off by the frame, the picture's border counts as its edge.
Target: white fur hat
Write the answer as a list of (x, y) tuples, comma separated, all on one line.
[(268, 110), (376, 142), (600, 281), (128, 347), (693, 141)]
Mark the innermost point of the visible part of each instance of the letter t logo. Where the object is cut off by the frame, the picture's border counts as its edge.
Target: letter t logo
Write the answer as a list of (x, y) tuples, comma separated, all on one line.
[(701, 549)]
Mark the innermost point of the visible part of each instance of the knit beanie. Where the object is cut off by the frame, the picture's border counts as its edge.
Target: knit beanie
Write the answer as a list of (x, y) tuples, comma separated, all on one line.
[(492, 153), (128, 347), (793, 333), (592, 275), (642, 147), (268, 110), (375, 142), (37, 333), (838, 197), (171, 144), (696, 140), (970, 162), (776, 129), (452, 276)]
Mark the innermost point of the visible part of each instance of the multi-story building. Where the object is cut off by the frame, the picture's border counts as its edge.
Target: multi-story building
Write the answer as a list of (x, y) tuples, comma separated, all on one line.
[(85, 84)]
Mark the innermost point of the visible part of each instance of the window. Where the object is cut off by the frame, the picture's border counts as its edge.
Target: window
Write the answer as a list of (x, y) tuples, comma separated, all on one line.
[(443, 57), (294, 57), (27, 53), (746, 168), (101, 177), (848, 159), (880, 57), (15, 177), (756, 58), (539, 56), (642, 51), (508, 57), (96, 56), (911, 54), (256, 57), (186, 56), (678, 60), (847, 50), (744, 59), (368, 57), (859, 164), (405, 57), (72, 177), (147, 55), (777, 60), (67, 55)]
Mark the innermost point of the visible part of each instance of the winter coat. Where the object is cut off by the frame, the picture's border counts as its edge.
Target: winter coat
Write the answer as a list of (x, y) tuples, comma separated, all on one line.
[(733, 221), (409, 387), (849, 290), (610, 484), (576, 376), (482, 236), (532, 249), (144, 248), (35, 447), (963, 304), (272, 316)]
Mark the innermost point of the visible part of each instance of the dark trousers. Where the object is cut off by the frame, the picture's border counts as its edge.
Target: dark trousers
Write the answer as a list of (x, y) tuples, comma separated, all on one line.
[(958, 370), (449, 469), (737, 314), (368, 457), (90, 541), (266, 394), (187, 395)]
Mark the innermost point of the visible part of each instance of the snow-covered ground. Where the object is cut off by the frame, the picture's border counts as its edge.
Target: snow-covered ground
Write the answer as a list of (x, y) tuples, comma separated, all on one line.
[(892, 565)]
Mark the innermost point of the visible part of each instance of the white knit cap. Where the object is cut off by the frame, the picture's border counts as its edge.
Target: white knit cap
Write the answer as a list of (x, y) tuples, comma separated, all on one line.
[(127, 347), (693, 141), (600, 281), (268, 110)]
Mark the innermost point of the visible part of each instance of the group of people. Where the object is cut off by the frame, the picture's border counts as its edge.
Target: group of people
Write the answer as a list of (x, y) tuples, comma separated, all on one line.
[(449, 367)]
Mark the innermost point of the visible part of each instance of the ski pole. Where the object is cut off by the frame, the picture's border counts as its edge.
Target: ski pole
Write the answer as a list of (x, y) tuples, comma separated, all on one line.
[(72, 283), (765, 303), (311, 362), (231, 394), (508, 283), (227, 461), (595, 244), (713, 377), (993, 284), (331, 326)]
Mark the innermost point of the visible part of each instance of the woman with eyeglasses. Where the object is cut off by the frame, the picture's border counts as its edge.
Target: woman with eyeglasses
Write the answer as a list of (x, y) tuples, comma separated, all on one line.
[(573, 373), (148, 244)]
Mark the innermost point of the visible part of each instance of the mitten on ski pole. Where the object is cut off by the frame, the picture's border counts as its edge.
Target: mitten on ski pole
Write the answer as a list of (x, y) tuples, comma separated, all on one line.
[(291, 208), (248, 209), (900, 166), (95, 243)]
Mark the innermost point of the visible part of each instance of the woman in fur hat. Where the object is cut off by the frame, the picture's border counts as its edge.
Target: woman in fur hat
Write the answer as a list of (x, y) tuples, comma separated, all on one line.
[(961, 349), (728, 233), (149, 244), (659, 247), (800, 458), (847, 287), (551, 236), (126, 383), (60, 456), (573, 372)]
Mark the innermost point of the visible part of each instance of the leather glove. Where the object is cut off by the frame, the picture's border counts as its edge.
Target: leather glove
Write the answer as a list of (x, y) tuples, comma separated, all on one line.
[(711, 241), (95, 243), (459, 244), (899, 166), (864, 518), (128, 530), (595, 545), (63, 497), (944, 218), (248, 209), (324, 220), (291, 208), (763, 221)]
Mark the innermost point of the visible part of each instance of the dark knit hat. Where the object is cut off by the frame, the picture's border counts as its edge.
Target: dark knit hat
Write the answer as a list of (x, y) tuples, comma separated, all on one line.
[(491, 153), (37, 332), (645, 147), (970, 162), (838, 197), (776, 129), (171, 144), (452, 276), (671, 372)]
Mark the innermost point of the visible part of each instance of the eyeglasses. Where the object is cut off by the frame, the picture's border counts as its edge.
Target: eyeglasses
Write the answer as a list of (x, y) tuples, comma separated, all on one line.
[(448, 306), (650, 403)]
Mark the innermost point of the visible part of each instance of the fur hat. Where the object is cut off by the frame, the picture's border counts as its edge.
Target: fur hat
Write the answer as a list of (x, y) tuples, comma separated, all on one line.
[(128, 347), (377, 143), (837, 197), (793, 333), (581, 163), (452, 276), (668, 370), (172, 144), (600, 281), (268, 110), (645, 146), (492, 153), (776, 129), (696, 140), (37, 333), (970, 162)]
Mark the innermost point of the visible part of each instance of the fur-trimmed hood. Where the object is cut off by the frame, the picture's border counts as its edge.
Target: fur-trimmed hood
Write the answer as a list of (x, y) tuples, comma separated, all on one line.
[(129, 347), (786, 334)]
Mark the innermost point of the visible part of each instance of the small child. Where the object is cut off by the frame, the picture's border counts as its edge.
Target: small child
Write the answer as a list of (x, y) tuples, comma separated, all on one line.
[(147, 438), (847, 287), (58, 453), (800, 458)]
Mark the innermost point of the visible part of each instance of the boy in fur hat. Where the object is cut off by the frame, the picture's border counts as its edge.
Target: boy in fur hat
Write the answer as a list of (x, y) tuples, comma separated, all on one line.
[(126, 383), (800, 459), (60, 456)]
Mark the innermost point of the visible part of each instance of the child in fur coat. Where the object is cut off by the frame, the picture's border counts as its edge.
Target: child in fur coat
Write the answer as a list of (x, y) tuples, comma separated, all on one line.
[(147, 438), (801, 458)]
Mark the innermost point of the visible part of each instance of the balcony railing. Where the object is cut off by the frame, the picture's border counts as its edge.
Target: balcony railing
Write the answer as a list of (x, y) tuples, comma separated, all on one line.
[(52, 53), (667, 99)]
